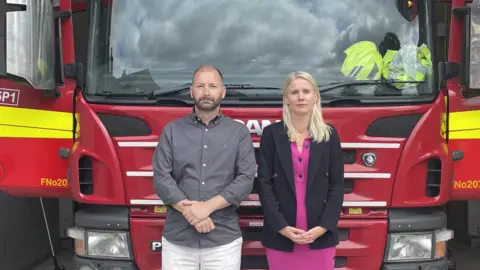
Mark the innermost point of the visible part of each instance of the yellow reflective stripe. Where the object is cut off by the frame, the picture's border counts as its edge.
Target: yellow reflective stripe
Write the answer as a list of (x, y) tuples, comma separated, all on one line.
[(33, 123), (464, 125), (28, 132), (23, 117), (77, 126), (466, 134), (464, 120)]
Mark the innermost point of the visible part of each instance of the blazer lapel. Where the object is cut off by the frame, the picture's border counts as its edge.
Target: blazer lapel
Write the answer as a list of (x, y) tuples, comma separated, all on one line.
[(317, 152), (285, 155)]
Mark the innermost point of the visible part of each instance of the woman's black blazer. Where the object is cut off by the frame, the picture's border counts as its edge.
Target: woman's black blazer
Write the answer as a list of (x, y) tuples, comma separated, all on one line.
[(276, 188)]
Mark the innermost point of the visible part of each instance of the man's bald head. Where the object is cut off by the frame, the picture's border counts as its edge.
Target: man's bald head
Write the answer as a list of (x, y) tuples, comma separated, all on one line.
[(207, 68)]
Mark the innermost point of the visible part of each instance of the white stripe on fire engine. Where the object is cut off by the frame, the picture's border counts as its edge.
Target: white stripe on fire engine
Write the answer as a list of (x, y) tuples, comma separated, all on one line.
[(257, 203), (257, 144), (345, 175), (146, 174), (154, 144)]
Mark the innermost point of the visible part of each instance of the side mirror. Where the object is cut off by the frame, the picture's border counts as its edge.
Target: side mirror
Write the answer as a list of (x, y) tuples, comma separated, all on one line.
[(27, 41), (408, 8), (447, 70)]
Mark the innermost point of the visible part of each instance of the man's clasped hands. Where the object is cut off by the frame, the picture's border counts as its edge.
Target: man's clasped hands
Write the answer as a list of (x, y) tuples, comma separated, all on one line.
[(198, 214)]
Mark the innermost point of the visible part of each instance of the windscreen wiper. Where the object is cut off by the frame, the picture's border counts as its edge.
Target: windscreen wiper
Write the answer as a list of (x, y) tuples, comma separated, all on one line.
[(139, 96), (332, 86), (121, 95), (168, 91), (186, 87), (249, 86)]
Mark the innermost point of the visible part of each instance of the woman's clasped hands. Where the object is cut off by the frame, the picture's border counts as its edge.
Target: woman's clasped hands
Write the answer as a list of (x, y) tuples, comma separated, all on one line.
[(302, 237)]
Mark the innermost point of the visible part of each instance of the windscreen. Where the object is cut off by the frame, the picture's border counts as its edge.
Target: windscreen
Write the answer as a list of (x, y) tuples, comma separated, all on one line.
[(140, 46)]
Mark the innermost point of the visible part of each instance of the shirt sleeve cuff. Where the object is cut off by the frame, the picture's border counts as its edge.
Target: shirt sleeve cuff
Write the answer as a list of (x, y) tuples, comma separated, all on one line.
[(173, 199), (230, 199)]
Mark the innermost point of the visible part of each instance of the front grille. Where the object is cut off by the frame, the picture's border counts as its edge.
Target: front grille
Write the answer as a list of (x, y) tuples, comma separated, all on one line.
[(347, 189), (254, 262), (434, 177), (260, 262), (252, 233), (348, 186), (255, 233), (343, 234), (85, 175), (349, 156), (250, 211)]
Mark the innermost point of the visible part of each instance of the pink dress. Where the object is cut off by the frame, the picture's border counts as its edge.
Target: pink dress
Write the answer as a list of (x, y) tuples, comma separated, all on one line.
[(302, 256)]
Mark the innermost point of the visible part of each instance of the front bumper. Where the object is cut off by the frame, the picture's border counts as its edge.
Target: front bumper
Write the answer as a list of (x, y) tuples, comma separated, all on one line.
[(433, 265), (92, 264), (80, 263), (361, 247)]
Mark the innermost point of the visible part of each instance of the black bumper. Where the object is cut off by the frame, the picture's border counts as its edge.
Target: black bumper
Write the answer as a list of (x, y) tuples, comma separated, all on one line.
[(414, 220), (435, 265), (94, 264)]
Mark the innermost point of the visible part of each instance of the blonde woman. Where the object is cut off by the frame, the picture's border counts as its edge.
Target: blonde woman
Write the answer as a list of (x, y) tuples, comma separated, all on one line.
[(300, 182)]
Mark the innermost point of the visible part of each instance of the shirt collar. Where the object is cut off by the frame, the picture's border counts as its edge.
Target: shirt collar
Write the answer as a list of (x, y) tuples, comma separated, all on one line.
[(195, 118)]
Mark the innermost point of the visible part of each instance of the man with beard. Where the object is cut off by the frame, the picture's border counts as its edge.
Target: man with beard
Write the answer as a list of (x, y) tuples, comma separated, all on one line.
[(204, 166)]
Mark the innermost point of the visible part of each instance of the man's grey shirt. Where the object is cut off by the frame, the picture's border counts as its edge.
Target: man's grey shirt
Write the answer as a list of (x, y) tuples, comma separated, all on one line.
[(197, 162)]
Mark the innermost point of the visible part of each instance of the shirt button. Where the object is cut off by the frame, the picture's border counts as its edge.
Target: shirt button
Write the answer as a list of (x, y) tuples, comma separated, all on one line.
[(300, 175), (204, 164), (206, 129), (300, 159), (203, 183), (205, 146)]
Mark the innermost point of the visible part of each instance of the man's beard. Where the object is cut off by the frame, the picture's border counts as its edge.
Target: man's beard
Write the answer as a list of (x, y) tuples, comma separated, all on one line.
[(211, 105)]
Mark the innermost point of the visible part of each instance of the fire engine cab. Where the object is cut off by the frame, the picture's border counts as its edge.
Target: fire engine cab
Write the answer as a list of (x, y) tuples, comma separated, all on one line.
[(87, 87)]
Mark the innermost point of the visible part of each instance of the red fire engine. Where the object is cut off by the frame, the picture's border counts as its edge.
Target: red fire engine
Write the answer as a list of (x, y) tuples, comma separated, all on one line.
[(82, 105)]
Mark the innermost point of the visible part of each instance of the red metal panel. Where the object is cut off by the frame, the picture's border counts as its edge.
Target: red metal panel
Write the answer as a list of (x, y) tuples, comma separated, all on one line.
[(425, 143), (95, 143), (350, 122), (32, 168)]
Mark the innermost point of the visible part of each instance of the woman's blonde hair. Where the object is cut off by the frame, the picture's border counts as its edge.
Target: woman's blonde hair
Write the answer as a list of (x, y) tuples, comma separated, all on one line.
[(319, 130)]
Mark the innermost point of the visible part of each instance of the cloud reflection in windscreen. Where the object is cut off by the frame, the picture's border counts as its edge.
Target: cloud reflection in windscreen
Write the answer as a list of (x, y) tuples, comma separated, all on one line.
[(251, 41)]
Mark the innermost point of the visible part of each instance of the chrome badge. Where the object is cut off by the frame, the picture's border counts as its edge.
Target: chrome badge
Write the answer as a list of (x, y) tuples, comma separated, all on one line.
[(369, 159)]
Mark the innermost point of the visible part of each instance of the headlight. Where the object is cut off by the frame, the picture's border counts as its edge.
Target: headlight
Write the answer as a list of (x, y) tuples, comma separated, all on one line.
[(410, 247), (418, 246), (108, 244), (100, 244)]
